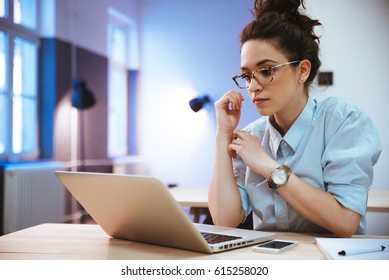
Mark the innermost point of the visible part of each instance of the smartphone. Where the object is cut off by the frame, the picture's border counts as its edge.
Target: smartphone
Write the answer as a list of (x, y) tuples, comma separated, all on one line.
[(275, 246)]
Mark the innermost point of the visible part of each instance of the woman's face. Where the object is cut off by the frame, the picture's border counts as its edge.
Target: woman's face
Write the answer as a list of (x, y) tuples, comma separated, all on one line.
[(285, 93)]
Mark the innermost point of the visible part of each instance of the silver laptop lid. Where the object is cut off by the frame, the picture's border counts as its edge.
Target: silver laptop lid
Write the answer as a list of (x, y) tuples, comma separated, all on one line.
[(141, 208)]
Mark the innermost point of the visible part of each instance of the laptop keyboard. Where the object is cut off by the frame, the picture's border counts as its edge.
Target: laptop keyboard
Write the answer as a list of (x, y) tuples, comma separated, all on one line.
[(213, 238)]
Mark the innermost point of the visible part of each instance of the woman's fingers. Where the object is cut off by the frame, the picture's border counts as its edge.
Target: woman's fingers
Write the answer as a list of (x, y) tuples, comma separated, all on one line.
[(232, 100)]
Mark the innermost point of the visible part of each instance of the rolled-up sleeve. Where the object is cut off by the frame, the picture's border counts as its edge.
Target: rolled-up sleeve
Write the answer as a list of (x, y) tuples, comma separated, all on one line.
[(353, 148)]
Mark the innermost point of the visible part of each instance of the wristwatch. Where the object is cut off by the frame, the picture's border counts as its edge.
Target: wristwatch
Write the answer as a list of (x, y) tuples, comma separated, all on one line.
[(279, 176)]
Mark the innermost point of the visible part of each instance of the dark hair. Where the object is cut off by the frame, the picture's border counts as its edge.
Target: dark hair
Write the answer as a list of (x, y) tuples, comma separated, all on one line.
[(280, 22)]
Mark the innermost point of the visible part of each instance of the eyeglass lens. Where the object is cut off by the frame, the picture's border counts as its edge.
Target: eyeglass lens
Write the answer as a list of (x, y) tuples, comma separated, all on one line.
[(262, 77)]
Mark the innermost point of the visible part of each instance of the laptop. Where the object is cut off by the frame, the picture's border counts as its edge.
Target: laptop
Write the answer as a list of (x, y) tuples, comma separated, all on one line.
[(142, 209)]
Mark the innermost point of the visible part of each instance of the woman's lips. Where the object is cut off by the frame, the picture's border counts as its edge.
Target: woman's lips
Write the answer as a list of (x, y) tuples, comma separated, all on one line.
[(259, 101)]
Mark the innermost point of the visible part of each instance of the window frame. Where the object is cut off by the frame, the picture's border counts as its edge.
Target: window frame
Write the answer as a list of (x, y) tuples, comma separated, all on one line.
[(120, 21), (13, 31)]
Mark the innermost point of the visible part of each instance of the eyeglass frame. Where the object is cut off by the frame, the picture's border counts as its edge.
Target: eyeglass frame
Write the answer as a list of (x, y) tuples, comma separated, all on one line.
[(252, 74)]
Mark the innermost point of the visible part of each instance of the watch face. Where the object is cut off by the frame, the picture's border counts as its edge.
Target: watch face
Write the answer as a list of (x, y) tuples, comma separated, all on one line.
[(279, 176)]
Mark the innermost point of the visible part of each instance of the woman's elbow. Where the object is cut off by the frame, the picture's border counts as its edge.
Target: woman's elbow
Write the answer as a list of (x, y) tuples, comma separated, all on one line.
[(344, 234), (225, 220), (348, 225)]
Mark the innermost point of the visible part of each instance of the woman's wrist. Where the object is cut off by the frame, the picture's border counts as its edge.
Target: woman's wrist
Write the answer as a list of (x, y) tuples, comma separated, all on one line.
[(224, 134), (265, 168)]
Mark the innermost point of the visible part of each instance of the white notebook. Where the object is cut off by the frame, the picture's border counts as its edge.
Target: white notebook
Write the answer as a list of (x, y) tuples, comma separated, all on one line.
[(354, 248)]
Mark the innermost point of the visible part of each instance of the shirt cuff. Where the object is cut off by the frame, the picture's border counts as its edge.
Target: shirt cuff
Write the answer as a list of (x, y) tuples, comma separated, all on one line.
[(353, 197), (245, 202)]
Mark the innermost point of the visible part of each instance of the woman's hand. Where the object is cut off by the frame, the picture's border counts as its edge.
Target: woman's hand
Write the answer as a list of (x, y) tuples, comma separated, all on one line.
[(228, 111), (248, 147)]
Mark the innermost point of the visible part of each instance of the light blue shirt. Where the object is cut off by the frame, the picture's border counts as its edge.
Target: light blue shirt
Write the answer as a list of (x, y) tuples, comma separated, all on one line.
[(332, 145)]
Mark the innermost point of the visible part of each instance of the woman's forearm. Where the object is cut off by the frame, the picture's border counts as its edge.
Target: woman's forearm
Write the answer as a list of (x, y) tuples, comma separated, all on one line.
[(224, 199), (319, 207)]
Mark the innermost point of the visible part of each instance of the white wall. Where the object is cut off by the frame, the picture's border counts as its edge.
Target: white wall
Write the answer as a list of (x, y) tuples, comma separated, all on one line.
[(188, 48), (84, 22), (191, 47)]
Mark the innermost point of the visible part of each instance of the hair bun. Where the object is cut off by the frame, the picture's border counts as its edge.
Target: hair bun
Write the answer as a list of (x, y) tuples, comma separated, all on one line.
[(277, 6)]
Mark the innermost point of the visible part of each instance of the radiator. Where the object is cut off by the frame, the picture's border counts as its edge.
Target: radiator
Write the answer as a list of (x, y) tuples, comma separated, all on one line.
[(32, 195)]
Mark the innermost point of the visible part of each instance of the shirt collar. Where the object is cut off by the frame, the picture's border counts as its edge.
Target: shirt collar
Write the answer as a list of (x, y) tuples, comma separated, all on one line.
[(296, 133), (275, 138)]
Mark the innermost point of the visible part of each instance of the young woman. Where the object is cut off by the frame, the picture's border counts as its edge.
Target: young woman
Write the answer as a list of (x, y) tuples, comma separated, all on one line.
[(305, 165)]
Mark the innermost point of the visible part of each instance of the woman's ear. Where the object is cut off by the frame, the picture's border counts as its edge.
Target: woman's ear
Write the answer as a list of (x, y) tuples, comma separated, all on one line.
[(304, 70)]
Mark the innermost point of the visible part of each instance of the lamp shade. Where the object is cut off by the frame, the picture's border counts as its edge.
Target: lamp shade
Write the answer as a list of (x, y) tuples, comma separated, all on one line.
[(197, 103), (82, 97)]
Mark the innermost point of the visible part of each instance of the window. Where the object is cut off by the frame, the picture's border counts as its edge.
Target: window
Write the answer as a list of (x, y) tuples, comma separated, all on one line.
[(2, 8), (18, 85), (117, 87), (3, 94), (25, 13), (24, 97)]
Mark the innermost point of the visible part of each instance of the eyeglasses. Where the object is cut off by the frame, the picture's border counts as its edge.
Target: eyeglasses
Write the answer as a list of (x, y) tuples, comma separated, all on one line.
[(262, 76)]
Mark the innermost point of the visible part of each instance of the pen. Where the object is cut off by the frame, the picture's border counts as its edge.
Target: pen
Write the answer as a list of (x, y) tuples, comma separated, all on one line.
[(361, 251)]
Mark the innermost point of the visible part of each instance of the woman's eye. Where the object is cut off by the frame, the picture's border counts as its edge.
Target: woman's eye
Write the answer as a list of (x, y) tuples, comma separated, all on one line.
[(265, 72)]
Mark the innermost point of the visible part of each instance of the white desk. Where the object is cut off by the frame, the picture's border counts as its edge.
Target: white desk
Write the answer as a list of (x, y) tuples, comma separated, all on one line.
[(80, 241), (197, 199), (378, 201), (76, 241)]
